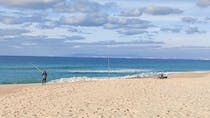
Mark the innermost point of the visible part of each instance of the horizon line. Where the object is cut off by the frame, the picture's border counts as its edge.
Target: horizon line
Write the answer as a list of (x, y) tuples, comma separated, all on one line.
[(106, 57)]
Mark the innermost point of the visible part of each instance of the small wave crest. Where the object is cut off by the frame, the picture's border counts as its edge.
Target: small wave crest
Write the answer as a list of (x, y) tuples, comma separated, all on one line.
[(105, 71), (84, 78)]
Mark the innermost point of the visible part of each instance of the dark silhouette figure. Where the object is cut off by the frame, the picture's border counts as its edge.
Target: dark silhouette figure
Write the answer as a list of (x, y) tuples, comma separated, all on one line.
[(162, 76), (44, 77)]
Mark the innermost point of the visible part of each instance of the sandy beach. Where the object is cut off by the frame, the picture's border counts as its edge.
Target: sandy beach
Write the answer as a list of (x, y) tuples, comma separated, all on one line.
[(183, 95)]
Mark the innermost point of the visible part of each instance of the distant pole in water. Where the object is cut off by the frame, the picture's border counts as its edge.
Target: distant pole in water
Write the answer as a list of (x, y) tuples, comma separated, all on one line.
[(108, 64)]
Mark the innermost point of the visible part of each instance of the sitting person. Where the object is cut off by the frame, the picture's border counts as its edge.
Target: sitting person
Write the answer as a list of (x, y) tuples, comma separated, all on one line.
[(162, 76)]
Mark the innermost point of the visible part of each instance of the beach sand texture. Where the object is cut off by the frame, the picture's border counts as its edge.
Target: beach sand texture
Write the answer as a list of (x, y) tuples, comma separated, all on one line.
[(183, 95)]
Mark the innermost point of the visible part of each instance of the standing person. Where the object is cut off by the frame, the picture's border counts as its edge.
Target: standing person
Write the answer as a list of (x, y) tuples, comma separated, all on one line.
[(44, 77)]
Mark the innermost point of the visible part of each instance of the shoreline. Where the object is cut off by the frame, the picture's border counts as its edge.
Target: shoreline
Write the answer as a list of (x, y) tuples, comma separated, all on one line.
[(69, 80), (182, 95)]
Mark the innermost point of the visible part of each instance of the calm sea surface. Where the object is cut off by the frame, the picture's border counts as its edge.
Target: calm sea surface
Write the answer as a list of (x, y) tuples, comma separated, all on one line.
[(19, 70)]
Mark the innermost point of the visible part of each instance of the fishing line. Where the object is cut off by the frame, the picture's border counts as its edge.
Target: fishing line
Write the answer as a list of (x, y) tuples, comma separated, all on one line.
[(37, 68)]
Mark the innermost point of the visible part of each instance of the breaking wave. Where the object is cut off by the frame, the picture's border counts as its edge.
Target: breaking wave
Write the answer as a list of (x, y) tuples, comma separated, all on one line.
[(85, 78)]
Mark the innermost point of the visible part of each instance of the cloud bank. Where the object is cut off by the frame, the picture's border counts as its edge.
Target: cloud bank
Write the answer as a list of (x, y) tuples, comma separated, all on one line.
[(31, 4)]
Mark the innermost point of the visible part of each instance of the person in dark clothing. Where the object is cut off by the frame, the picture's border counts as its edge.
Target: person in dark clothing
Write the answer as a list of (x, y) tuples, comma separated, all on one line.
[(44, 77)]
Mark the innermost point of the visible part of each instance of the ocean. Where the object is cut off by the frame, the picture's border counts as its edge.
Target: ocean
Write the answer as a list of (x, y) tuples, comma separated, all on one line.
[(21, 70)]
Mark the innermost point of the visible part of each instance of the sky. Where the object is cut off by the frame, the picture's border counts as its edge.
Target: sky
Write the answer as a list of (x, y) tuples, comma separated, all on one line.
[(100, 28)]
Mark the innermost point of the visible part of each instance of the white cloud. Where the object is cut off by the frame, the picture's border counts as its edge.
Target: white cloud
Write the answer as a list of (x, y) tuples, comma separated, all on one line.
[(161, 10), (95, 19), (30, 3), (113, 42), (172, 30), (132, 13), (12, 32), (22, 19), (28, 44), (128, 26), (132, 31), (193, 30), (189, 19), (203, 3), (94, 22), (75, 37), (83, 6)]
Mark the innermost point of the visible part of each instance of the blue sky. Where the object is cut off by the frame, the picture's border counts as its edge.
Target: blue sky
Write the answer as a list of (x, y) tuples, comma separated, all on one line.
[(118, 28)]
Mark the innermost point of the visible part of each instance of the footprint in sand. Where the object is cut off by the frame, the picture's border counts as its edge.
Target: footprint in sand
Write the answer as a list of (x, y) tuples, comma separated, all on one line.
[(81, 110)]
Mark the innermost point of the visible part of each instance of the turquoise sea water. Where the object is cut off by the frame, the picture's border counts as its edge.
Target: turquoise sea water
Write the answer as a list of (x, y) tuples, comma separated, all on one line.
[(19, 70)]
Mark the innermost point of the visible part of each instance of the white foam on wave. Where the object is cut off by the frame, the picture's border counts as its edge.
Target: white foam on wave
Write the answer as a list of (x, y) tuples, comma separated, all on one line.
[(71, 79), (104, 71), (84, 78)]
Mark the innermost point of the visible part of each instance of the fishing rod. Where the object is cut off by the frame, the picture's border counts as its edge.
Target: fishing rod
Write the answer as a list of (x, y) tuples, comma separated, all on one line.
[(37, 68)]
